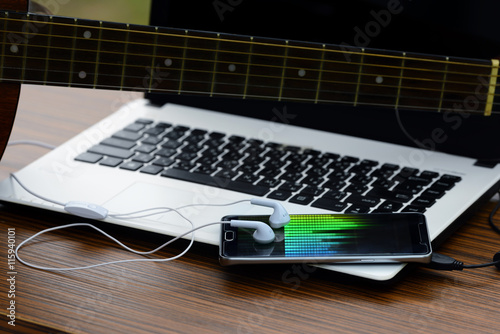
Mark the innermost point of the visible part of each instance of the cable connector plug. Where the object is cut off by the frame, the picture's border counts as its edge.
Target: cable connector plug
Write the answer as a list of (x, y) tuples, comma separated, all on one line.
[(444, 262)]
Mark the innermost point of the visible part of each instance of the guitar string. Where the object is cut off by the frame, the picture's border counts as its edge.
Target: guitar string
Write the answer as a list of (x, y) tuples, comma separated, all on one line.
[(399, 69), (374, 75), (145, 87), (487, 66), (377, 85), (297, 99), (182, 34), (395, 67)]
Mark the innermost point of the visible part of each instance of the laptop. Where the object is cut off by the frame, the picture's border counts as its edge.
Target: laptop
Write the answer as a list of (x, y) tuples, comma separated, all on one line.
[(175, 150)]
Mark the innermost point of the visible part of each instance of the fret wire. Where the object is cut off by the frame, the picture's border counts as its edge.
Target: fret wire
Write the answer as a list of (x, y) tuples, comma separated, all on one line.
[(283, 72), (289, 99), (320, 74), (215, 65), (400, 81), (153, 60), (124, 62), (359, 78), (270, 44), (305, 79), (96, 73), (183, 61), (445, 76), (72, 55), (248, 68)]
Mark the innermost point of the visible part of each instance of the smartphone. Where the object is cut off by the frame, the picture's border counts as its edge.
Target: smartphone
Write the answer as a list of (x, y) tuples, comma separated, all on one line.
[(331, 238)]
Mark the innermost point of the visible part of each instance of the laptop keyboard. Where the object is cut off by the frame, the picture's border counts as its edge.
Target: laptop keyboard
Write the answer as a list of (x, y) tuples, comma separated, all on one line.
[(298, 175)]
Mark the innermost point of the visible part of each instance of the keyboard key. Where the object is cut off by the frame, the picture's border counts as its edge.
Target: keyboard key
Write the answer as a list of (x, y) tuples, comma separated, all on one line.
[(429, 175), (290, 186), (111, 151), (152, 140), (301, 199), (111, 162), (312, 190), (143, 158), (205, 170), (335, 185), (89, 157), (242, 187), (163, 162), (329, 204), (451, 178), (269, 182), (186, 156), (127, 135), (173, 144), (356, 188), (390, 195), (413, 208), (335, 195), (356, 208), (145, 148), (423, 201), (349, 159), (442, 185), (249, 178), (151, 169), (280, 195), (144, 121), (166, 152), (390, 206), (363, 200), (134, 127), (434, 193), (120, 143), (156, 131), (131, 165)]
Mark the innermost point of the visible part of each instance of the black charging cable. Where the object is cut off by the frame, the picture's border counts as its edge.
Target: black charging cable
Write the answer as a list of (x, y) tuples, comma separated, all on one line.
[(445, 262)]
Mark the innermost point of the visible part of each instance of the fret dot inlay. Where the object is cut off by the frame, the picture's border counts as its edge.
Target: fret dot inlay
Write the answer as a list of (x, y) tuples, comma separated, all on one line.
[(302, 73), (168, 62), (379, 79), (82, 74), (14, 48), (231, 68), (87, 34)]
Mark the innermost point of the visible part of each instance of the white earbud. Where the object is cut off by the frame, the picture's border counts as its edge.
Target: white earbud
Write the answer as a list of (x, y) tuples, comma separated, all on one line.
[(263, 234), (280, 216)]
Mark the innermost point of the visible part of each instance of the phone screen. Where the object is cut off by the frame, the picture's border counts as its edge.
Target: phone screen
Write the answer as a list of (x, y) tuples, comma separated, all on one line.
[(332, 235)]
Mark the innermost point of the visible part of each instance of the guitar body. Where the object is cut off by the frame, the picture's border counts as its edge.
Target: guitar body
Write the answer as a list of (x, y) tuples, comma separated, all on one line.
[(9, 93)]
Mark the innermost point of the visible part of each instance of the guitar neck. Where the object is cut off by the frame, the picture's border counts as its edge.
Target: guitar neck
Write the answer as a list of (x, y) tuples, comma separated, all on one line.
[(49, 50)]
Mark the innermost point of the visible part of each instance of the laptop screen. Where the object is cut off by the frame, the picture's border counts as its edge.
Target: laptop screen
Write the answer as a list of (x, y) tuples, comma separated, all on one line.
[(461, 29)]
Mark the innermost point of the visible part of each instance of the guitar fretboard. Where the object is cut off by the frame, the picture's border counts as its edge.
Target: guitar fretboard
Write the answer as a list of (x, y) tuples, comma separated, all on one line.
[(47, 50)]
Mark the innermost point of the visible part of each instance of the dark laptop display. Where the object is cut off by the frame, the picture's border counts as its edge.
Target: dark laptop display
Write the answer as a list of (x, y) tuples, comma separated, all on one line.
[(460, 29)]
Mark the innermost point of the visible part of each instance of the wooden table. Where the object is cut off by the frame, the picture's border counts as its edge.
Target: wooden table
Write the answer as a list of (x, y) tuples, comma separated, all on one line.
[(195, 294)]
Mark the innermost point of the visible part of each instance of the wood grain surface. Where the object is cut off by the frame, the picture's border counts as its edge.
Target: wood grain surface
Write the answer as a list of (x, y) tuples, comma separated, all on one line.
[(195, 294)]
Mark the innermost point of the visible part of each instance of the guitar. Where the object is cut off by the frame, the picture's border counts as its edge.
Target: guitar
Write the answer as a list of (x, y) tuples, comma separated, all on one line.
[(58, 51)]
